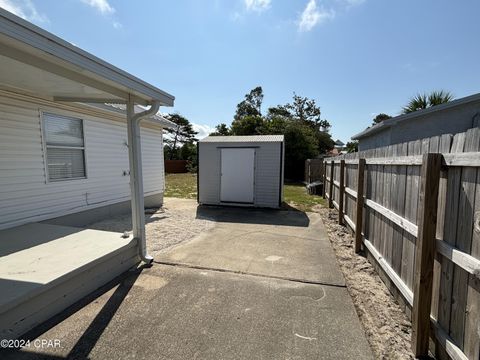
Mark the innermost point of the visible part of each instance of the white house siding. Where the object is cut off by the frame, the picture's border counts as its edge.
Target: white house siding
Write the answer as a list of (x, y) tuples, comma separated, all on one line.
[(267, 170), (25, 193)]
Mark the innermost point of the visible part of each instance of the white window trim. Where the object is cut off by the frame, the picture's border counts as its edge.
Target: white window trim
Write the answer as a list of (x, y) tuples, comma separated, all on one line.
[(45, 146)]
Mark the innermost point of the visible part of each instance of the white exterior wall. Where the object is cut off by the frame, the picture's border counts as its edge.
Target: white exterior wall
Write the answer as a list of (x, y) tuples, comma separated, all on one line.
[(25, 193), (267, 172)]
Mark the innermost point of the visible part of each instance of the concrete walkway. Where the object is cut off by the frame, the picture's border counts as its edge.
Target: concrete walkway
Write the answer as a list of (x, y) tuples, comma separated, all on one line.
[(261, 284)]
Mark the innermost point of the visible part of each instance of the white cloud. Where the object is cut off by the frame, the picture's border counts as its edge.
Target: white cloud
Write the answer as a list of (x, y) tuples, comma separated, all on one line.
[(104, 8), (101, 5), (203, 130), (313, 15), (24, 9), (257, 5)]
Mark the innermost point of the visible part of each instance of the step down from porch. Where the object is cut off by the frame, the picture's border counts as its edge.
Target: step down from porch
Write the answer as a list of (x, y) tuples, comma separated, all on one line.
[(45, 268)]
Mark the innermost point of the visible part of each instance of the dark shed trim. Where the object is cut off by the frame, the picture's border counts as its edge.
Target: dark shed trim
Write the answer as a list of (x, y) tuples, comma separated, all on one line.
[(198, 172), (280, 177)]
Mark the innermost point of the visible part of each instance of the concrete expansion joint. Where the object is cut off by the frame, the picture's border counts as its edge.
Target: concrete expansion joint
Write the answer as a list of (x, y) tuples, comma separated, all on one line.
[(238, 272)]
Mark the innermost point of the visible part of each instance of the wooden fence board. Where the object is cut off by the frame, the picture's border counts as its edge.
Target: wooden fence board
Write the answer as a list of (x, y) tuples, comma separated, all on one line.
[(360, 201), (389, 196), (425, 252), (412, 191), (463, 241), (449, 233), (444, 145), (370, 194), (399, 207), (379, 186), (472, 330)]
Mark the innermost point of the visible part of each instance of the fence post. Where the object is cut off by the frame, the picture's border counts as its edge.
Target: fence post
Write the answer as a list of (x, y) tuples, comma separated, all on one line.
[(341, 192), (307, 171), (330, 190), (359, 217), (425, 253), (324, 187)]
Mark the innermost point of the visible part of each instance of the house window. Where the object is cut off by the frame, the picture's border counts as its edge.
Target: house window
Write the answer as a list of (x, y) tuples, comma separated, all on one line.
[(65, 147)]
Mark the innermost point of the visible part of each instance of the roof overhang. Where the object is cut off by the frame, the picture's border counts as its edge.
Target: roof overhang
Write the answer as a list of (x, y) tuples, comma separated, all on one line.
[(386, 124), (121, 109), (36, 62)]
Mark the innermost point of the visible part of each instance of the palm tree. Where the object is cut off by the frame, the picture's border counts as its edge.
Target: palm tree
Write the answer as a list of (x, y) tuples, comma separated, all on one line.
[(439, 97), (423, 101)]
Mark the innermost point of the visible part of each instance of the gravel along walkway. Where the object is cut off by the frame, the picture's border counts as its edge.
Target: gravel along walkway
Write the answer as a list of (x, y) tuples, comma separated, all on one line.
[(387, 327), (168, 226)]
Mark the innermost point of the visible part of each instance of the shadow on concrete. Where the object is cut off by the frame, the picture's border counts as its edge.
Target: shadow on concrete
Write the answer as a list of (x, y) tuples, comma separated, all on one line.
[(288, 216), (92, 334), (30, 235), (123, 222)]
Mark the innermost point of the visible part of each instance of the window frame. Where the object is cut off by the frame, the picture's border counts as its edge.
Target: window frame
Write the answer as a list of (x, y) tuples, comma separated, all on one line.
[(43, 115)]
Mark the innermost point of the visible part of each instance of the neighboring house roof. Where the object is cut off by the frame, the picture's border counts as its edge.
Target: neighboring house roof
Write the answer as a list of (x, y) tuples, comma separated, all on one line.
[(67, 72), (410, 116), (122, 108), (246, 138), (339, 143)]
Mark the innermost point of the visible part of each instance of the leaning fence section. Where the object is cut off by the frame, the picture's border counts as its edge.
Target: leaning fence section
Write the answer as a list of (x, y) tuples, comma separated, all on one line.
[(415, 209)]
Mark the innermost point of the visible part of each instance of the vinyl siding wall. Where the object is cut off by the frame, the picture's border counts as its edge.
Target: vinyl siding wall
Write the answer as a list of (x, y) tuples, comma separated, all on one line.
[(25, 193), (267, 172)]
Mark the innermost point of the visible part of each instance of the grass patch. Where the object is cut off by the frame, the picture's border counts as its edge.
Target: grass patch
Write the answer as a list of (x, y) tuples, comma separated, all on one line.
[(181, 185), (296, 196), (185, 186)]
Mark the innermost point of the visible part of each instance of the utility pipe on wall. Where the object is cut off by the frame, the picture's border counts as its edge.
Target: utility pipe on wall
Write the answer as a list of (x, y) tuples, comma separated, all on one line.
[(136, 176)]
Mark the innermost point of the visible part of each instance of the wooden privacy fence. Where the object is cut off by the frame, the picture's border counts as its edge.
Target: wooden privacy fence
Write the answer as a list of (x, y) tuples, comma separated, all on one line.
[(415, 208)]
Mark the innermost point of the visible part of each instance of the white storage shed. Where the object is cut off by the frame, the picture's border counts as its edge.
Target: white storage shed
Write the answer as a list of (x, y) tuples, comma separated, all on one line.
[(241, 170)]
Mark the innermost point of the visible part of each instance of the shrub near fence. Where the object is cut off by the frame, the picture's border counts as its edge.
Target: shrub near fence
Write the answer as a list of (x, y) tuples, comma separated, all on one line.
[(415, 210)]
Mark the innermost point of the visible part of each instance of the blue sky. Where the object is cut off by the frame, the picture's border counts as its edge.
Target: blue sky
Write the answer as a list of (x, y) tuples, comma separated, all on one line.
[(356, 58)]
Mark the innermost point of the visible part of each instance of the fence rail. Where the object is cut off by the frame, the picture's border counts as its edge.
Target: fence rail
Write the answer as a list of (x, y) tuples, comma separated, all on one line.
[(415, 209)]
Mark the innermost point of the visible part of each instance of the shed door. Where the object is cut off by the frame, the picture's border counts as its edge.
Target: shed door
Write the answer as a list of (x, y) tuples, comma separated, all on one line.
[(237, 175)]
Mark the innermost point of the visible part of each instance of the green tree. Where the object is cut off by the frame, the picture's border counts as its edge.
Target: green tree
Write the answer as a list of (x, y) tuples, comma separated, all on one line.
[(278, 111), (251, 105), (380, 117), (423, 101), (183, 133), (307, 111), (188, 152), (221, 130), (247, 125), (352, 146), (300, 145), (324, 142)]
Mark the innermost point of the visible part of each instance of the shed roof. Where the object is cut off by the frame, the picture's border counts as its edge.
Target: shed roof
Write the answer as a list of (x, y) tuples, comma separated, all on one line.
[(410, 116), (246, 138)]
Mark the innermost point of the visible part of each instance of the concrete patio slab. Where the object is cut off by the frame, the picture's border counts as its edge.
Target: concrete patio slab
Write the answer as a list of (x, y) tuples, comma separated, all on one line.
[(173, 313), (282, 244), (259, 284)]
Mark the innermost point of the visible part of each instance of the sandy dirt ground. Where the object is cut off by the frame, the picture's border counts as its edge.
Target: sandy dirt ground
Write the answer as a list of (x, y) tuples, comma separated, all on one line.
[(171, 225), (387, 327)]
